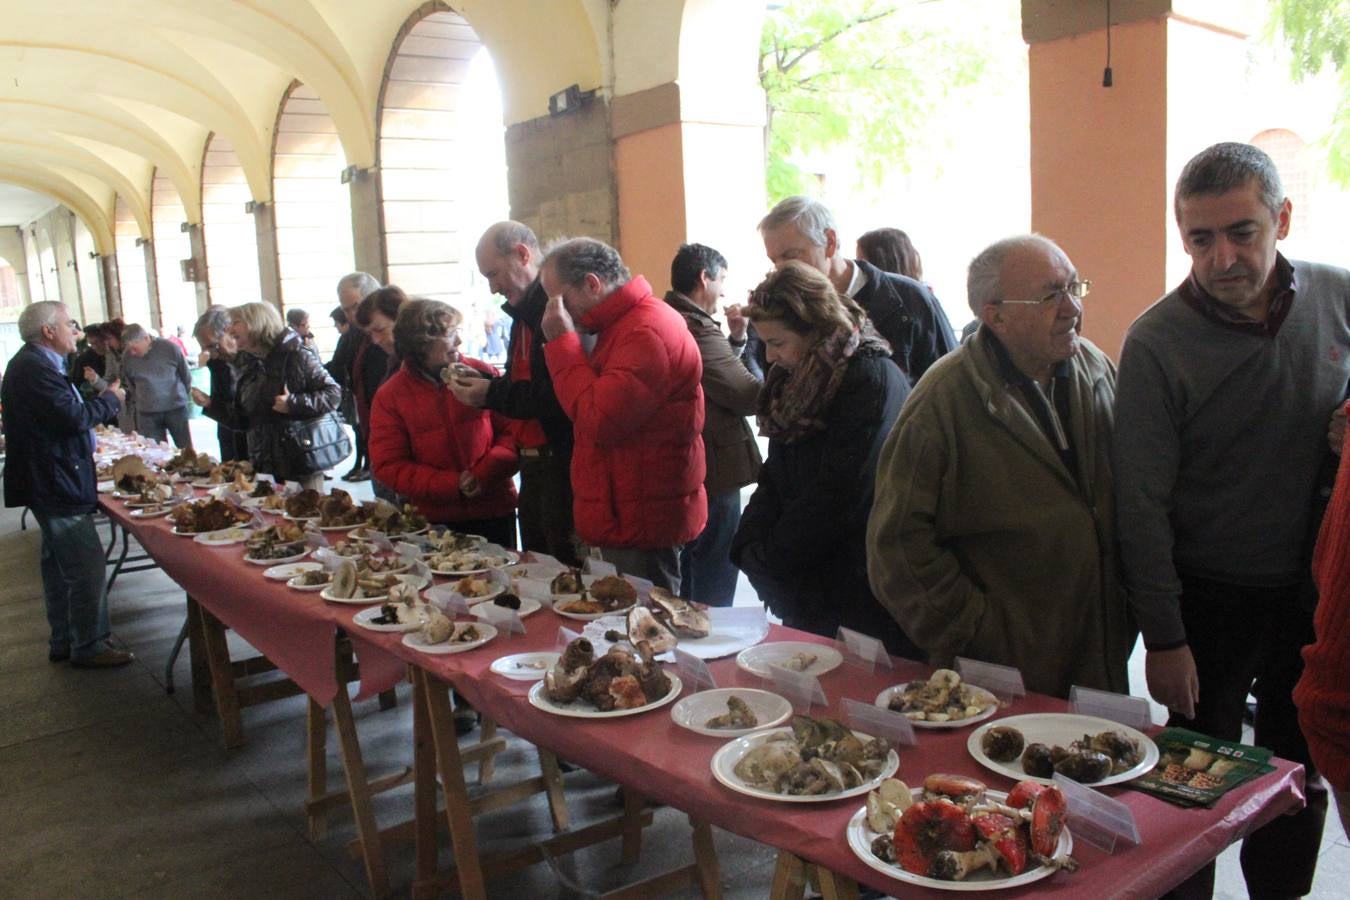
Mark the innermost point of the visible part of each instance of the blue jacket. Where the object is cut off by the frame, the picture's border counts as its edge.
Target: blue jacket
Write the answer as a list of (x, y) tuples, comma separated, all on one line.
[(50, 450)]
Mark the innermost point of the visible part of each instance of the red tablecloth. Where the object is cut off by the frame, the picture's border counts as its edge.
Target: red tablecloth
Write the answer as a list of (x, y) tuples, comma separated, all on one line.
[(294, 629), (671, 764)]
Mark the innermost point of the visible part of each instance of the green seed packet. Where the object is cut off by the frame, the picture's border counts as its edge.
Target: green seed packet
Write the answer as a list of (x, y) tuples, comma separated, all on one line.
[(1196, 770)]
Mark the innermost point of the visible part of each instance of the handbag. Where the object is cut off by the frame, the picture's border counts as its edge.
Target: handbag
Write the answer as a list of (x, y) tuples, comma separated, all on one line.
[(316, 444)]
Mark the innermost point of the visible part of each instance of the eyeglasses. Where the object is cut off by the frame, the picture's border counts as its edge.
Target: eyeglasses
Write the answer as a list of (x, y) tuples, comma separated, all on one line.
[(1075, 290)]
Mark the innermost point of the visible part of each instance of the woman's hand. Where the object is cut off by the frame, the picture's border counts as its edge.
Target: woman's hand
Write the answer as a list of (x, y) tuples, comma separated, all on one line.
[(468, 485), (200, 398), (282, 403), (90, 375)]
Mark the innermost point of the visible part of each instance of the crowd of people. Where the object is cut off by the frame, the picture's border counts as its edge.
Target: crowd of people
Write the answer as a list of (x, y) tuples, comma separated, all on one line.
[(1015, 497)]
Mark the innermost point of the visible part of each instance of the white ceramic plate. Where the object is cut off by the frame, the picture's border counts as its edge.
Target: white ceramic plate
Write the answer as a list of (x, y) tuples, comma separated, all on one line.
[(527, 606), (287, 571), (537, 571), (719, 644), (511, 558), (139, 504), (757, 659), (495, 588), (524, 666), (359, 600), (365, 618), (414, 640), (591, 617), (295, 584), (348, 527), (691, 712), (203, 483), (860, 838), (276, 560), (150, 512), (724, 770), (360, 532), (583, 710), (107, 487), (884, 698), (1062, 729), (223, 538)]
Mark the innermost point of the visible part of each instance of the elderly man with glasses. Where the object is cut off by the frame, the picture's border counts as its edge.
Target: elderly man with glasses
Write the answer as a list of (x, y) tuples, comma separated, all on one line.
[(992, 533)]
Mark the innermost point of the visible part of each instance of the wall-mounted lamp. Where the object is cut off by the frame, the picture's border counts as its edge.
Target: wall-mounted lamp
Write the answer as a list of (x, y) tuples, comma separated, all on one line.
[(252, 206), (184, 227), (350, 173), (93, 254), (189, 269), (569, 99), (141, 242)]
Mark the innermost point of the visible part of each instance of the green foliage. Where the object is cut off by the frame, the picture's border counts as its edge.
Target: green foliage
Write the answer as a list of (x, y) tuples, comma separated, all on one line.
[(1317, 33), (868, 73)]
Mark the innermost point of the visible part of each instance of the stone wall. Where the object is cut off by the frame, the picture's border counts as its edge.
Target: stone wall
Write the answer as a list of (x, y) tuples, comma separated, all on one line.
[(561, 174)]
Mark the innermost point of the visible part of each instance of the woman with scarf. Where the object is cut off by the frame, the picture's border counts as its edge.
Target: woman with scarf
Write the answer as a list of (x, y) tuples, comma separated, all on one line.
[(830, 397), (451, 461)]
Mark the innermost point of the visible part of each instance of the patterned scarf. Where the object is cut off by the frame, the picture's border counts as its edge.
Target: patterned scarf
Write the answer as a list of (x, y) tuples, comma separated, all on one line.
[(793, 403)]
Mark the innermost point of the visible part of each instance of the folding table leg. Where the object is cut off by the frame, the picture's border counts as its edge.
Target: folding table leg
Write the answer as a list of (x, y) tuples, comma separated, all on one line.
[(834, 886), (633, 804), (201, 670), (705, 860), (355, 768), (789, 878), (486, 765), (424, 781), (553, 789), (222, 679), (316, 744), (451, 769)]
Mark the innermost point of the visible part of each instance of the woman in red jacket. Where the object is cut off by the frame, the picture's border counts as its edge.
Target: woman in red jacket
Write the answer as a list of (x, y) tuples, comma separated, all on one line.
[(453, 462)]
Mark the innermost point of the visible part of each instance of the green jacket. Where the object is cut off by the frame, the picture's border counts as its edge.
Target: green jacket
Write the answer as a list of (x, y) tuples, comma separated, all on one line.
[(981, 543)]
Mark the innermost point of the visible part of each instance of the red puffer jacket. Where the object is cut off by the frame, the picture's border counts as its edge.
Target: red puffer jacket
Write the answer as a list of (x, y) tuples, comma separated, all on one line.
[(637, 415), (422, 438)]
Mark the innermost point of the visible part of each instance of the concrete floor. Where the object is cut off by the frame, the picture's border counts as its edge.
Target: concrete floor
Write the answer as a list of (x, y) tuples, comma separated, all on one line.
[(112, 788)]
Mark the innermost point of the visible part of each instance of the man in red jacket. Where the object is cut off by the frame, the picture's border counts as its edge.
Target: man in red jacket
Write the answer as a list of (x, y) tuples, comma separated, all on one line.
[(636, 408)]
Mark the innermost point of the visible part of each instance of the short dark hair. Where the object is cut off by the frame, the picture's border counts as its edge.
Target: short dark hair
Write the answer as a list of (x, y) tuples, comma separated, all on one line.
[(575, 258), (891, 250), (339, 316), (94, 331), (386, 300), (691, 261), (1228, 166)]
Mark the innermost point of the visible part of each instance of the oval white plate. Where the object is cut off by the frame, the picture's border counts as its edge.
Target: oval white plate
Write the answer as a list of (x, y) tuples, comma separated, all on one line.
[(691, 712), (583, 710), (348, 527), (360, 532), (884, 698), (724, 770), (414, 640), (223, 538), (277, 560), (287, 571), (364, 617), (537, 571), (756, 660), (527, 606), (512, 557), (520, 666), (495, 589), (1061, 728), (295, 584), (860, 839), (359, 600), (150, 513), (591, 617)]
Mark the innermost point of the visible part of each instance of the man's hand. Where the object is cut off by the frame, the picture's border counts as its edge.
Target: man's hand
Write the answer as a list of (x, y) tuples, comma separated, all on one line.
[(470, 391), (1172, 679), (282, 403), (90, 375), (556, 321), (736, 321), (1336, 430), (115, 388), (200, 398), (468, 485)]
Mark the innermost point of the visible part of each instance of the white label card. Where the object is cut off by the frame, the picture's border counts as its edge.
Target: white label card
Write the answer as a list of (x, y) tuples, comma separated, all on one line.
[(545, 560), (879, 722), (863, 651), (534, 589), (1002, 681), (380, 542), (1122, 708), (404, 550), (565, 637), (422, 569), (328, 558), (315, 538), (800, 688), (599, 568), (1097, 818), (693, 671), (455, 604), (641, 585), (503, 619)]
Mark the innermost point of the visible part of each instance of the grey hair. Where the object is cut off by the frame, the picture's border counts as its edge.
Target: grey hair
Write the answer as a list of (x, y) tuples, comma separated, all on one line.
[(1228, 166), (810, 217), (133, 333), (37, 316), (363, 282), (214, 322), (572, 259), (506, 235), (983, 277), (296, 316)]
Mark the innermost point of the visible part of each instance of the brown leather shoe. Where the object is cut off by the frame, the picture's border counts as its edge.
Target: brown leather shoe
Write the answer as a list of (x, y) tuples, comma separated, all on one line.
[(108, 659)]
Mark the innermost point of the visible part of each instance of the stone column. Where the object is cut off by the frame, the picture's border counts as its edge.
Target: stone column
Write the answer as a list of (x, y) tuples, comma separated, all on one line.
[(269, 268), (110, 283), (367, 233), (152, 281), (197, 241)]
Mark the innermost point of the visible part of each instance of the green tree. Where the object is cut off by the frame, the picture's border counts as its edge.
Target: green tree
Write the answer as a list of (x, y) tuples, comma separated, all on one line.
[(1318, 34), (868, 73)]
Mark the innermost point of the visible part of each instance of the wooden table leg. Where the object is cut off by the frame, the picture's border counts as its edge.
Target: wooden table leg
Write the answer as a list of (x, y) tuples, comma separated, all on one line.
[(553, 789), (201, 670), (359, 792), (451, 768), (834, 886), (222, 680), (424, 782), (633, 804), (486, 766), (789, 878), (316, 742), (705, 860)]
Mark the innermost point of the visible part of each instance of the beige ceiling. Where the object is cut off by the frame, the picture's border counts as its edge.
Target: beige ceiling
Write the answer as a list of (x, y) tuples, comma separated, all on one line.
[(96, 95)]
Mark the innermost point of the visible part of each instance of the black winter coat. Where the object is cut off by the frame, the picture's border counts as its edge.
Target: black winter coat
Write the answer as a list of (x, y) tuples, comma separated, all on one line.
[(908, 316), (532, 399), (232, 435), (313, 393), (49, 464), (802, 538)]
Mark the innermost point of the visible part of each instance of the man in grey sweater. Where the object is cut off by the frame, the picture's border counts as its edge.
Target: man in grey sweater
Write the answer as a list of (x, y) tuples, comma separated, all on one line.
[(1224, 396), (156, 372)]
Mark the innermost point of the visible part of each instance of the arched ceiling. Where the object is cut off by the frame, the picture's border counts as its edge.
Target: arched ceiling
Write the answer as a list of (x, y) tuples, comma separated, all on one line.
[(98, 95)]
